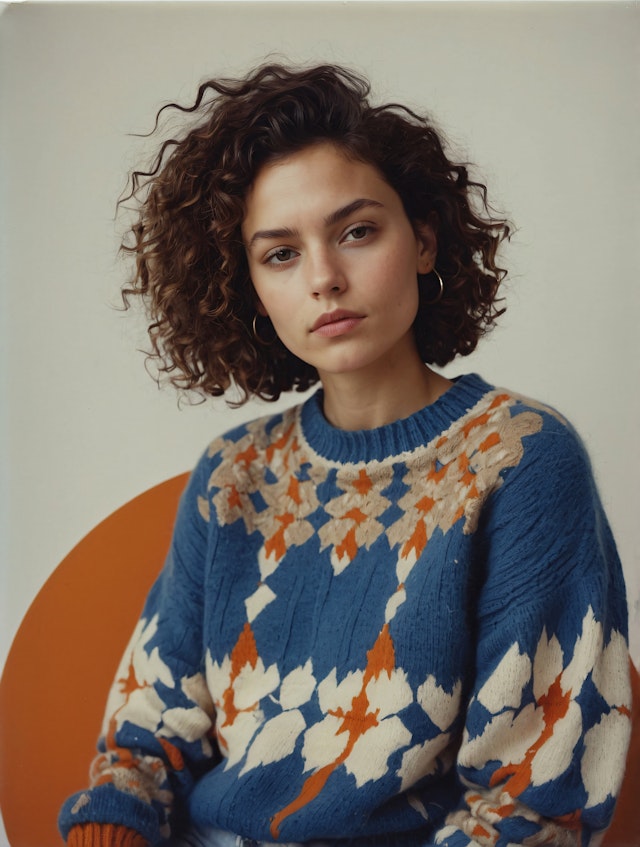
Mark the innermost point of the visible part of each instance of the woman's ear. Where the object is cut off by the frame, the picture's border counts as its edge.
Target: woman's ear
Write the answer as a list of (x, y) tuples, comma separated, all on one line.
[(427, 246)]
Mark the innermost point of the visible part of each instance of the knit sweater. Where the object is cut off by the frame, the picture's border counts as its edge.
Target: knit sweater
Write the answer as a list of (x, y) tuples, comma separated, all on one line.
[(412, 635)]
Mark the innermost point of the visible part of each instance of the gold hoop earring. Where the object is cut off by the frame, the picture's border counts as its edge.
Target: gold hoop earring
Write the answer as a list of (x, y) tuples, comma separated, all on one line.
[(255, 333), (440, 292)]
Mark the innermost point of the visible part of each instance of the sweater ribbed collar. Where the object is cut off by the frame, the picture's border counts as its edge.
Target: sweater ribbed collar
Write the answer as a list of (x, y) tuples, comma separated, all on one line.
[(393, 439)]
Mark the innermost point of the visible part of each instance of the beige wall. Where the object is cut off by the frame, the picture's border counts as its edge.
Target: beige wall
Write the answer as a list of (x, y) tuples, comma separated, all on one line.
[(541, 96)]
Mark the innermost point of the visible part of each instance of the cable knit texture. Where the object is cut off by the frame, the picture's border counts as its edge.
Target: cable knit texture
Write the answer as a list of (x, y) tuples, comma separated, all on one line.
[(411, 635)]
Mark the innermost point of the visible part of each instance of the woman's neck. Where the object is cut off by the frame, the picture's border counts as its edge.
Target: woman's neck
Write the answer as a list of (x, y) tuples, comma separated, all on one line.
[(355, 402)]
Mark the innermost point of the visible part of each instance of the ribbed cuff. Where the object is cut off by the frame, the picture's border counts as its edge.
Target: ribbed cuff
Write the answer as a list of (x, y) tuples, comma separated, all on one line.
[(104, 835)]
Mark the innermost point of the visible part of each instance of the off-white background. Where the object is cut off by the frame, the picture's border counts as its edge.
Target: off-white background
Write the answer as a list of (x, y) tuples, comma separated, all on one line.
[(541, 96)]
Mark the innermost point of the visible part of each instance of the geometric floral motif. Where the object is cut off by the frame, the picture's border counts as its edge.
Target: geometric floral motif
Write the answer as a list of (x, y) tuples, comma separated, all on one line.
[(237, 685), (535, 740), (134, 698), (354, 525), (360, 729)]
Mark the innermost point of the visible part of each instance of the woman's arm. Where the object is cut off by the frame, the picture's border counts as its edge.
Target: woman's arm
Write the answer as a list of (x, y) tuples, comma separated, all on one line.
[(158, 732), (548, 722)]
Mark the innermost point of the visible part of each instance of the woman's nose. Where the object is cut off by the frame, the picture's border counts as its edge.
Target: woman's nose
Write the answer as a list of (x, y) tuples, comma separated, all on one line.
[(326, 275)]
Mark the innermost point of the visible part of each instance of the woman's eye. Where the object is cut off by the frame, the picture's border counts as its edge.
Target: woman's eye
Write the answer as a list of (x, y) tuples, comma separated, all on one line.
[(281, 255), (358, 232)]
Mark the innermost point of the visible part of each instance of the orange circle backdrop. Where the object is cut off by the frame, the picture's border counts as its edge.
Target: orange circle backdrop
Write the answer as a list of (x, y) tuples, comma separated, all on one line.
[(64, 657)]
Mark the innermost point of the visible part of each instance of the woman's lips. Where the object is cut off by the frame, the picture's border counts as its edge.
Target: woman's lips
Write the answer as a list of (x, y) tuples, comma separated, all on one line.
[(336, 323)]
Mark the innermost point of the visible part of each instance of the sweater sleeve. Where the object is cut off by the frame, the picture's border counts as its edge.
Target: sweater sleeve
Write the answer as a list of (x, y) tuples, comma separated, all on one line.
[(548, 719), (158, 730)]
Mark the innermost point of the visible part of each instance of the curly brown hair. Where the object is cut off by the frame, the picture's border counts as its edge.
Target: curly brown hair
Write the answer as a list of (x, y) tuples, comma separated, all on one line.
[(191, 269)]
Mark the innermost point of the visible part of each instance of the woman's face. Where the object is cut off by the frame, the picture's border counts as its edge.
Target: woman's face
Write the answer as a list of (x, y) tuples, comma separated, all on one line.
[(334, 261)]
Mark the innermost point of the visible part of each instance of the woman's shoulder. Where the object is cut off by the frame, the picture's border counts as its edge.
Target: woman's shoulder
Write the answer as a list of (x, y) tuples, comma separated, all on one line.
[(512, 438), (542, 454), (494, 414), (556, 435)]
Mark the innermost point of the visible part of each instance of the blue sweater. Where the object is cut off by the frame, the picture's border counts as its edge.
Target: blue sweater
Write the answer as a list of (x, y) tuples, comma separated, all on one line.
[(411, 635)]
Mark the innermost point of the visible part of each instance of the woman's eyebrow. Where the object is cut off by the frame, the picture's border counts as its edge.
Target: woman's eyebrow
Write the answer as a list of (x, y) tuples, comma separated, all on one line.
[(283, 232), (331, 219), (350, 208)]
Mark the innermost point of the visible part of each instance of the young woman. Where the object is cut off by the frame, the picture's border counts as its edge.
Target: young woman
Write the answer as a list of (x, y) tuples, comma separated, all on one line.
[(393, 615)]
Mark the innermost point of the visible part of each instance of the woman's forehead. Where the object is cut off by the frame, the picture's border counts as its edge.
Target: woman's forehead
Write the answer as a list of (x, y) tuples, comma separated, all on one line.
[(318, 180)]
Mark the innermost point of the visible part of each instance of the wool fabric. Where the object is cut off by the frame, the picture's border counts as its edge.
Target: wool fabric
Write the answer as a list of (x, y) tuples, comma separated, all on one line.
[(412, 635)]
